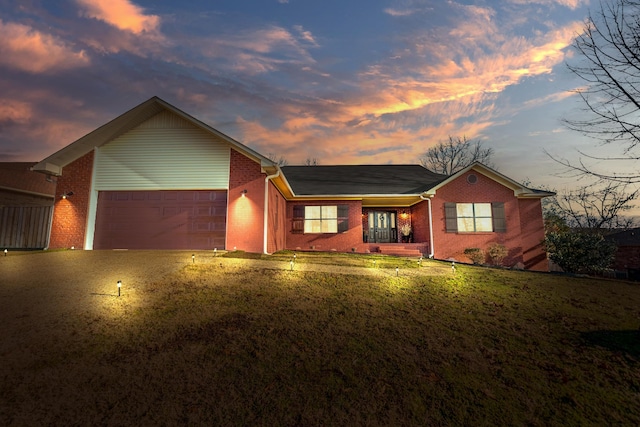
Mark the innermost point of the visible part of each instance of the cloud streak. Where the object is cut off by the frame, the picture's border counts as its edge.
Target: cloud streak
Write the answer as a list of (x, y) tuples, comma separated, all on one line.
[(121, 14), (27, 49)]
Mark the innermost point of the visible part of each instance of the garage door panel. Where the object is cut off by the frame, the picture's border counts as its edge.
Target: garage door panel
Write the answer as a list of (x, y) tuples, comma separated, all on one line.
[(160, 220)]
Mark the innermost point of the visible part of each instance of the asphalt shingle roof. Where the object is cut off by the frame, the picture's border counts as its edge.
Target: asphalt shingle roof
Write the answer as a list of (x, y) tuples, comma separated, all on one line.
[(360, 179)]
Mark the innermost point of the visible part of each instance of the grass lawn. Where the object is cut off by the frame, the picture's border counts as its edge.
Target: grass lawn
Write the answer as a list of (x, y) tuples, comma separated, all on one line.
[(237, 344)]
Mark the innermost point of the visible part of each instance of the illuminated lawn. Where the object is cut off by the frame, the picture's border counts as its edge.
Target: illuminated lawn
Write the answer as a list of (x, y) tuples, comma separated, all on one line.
[(233, 344)]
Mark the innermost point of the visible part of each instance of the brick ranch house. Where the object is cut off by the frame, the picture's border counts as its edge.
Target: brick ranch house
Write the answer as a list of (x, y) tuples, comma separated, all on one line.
[(157, 178)]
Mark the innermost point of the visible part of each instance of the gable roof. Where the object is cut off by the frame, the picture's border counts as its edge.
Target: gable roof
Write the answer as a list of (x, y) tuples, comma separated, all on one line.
[(519, 190), (360, 180), (18, 177), (386, 180), (125, 122)]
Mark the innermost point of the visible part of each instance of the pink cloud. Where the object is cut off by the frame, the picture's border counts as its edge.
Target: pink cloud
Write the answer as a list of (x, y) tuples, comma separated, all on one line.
[(121, 14), (24, 48), (15, 111)]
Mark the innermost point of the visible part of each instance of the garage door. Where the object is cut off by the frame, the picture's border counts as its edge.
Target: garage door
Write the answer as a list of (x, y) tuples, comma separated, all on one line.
[(160, 220)]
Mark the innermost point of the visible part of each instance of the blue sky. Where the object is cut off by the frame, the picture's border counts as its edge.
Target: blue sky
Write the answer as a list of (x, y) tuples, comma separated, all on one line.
[(347, 82)]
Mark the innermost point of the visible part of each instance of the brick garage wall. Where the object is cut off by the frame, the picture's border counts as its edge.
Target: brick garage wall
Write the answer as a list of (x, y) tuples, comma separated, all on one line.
[(485, 190), (341, 242), (534, 257), (245, 218), (70, 215), (277, 220)]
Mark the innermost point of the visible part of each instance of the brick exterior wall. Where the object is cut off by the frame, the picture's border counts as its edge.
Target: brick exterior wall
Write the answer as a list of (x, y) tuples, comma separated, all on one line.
[(485, 190), (70, 215), (420, 222), (245, 215), (534, 257), (341, 242)]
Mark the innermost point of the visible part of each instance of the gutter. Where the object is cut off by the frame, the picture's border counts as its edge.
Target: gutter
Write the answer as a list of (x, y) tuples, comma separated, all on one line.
[(266, 209), (431, 250)]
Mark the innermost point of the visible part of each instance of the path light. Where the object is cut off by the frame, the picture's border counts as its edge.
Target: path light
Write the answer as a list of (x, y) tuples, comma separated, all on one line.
[(235, 248), (420, 262), (5, 252), (374, 263), (453, 267), (215, 251), (397, 269), (291, 264), (295, 256), (119, 286), (193, 258)]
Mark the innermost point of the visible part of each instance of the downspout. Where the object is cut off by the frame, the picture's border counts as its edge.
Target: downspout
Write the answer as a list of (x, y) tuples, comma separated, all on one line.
[(266, 208), (431, 251)]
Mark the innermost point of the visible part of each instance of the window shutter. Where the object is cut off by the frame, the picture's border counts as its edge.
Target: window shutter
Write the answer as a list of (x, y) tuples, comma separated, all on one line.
[(499, 219), (451, 217), (343, 218), (297, 225)]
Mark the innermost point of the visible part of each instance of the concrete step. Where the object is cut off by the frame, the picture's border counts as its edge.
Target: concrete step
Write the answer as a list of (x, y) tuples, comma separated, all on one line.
[(399, 251)]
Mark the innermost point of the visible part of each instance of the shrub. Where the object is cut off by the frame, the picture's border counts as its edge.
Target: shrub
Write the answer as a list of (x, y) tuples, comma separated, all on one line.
[(497, 253), (476, 255), (580, 252)]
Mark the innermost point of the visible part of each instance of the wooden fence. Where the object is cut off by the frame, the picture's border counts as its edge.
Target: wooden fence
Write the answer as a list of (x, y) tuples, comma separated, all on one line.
[(24, 227)]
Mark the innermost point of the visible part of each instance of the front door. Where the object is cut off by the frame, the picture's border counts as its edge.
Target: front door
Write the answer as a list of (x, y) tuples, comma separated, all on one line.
[(382, 227)]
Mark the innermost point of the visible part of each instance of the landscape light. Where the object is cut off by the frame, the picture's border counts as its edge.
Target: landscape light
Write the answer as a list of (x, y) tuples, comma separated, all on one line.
[(5, 252), (295, 256), (374, 263), (420, 262), (215, 251), (235, 248), (291, 264), (453, 267), (397, 269), (193, 258), (119, 286)]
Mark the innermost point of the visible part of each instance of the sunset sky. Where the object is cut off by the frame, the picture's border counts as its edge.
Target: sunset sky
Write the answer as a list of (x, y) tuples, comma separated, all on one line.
[(347, 82)]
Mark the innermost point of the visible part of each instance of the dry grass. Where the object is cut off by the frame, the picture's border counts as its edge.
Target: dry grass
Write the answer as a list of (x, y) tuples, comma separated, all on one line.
[(248, 342)]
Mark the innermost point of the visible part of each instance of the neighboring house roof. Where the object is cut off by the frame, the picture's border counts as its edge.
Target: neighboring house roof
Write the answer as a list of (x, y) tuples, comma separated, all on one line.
[(131, 119), (18, 177), (629, 237), (360, 180)]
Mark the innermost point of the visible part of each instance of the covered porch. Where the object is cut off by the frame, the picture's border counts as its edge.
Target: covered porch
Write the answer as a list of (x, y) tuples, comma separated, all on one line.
[(396, 230)]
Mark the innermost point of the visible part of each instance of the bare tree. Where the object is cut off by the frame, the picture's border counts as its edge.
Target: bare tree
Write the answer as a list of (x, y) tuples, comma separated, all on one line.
[(279, 160), (311, 161), (448, 157), (592, 207), (608, 61)]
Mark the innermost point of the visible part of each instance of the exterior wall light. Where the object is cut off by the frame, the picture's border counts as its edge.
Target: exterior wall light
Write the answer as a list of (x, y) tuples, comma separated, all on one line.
[(67, 194), (244, 192)]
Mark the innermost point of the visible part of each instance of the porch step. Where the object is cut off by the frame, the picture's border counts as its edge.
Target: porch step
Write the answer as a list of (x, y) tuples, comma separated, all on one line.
[(400, 250)]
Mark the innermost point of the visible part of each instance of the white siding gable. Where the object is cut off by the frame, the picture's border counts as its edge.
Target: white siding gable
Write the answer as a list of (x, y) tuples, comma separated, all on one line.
[(164, 153)]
